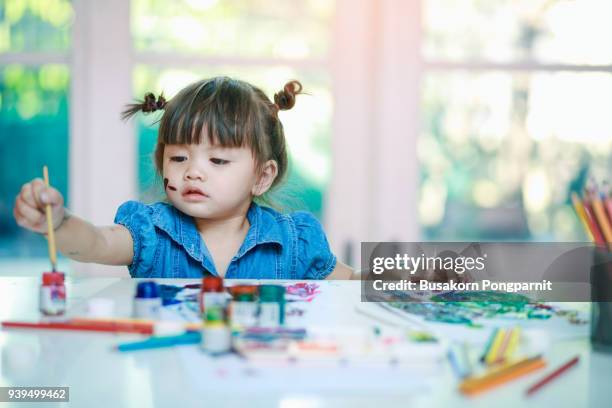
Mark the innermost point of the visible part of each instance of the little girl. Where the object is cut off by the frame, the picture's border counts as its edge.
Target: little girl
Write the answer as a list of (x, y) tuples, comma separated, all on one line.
[(220, 145)]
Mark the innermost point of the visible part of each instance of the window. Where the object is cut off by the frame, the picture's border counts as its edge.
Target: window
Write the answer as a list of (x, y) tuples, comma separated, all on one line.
[(516, 100), (34, 84)]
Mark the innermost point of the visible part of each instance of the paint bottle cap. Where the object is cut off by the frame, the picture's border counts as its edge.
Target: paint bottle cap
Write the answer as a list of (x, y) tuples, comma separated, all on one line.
[(148, 289), (212, 284), (271, 293), (53, 278), (244, 293)]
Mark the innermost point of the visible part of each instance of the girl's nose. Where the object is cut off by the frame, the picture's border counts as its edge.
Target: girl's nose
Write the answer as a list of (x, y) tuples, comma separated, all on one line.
[(193, 173)]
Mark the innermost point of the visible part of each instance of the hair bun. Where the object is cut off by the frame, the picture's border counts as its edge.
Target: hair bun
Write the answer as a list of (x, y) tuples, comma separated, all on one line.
[(147, 105), (151, 105), (285, 99)]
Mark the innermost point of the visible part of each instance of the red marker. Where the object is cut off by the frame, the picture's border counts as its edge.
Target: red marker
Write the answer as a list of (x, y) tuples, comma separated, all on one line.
[(552, 375)]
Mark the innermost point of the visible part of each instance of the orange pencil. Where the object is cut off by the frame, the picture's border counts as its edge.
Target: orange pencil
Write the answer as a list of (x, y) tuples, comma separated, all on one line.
[(502, 375)]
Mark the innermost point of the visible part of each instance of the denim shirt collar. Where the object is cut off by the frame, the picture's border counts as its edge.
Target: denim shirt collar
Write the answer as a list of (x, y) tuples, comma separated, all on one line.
[(181, 228)]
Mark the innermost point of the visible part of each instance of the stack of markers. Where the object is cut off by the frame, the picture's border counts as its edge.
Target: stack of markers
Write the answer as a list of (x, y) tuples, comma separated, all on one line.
[(594, 209)]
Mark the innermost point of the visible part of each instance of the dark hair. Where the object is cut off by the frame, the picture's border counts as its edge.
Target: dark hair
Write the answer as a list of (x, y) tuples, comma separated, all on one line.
[(233, 113)]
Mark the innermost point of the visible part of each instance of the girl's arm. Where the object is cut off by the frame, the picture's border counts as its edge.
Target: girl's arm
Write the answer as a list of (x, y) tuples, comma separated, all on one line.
[(84, 242), (341, 271), (75, 237)]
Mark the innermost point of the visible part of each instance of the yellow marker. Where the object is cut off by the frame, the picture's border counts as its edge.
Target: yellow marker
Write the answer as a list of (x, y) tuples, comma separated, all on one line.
[(50, 231)]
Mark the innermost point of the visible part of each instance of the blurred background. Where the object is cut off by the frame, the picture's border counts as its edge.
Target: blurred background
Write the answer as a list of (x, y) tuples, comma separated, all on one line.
[(425, 120)]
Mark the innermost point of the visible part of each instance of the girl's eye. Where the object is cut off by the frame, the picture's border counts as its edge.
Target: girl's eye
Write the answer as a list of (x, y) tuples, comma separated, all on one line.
[(178, 158), (219, 161)]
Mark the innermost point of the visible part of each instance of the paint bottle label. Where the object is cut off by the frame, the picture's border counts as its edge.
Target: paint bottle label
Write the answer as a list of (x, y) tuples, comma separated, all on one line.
[(216, 338), (243, 314), (214, 306), (269, 314), (147, 308), (52, 300)]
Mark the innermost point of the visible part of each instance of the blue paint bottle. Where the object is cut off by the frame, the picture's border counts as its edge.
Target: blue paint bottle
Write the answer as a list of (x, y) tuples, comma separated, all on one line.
[(147, 302)]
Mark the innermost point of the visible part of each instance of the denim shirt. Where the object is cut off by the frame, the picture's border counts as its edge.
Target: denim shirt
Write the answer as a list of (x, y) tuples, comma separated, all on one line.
[(277, 246)]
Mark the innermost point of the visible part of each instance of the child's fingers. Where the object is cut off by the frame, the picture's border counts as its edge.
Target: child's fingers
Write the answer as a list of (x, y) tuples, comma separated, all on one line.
[(27, 196), (27, 213), (38, 187), (52, 196), (46, 195)]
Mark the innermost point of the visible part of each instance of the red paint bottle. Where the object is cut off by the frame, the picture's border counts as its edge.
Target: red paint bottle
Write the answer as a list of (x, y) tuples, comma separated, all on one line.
[(53, 294)]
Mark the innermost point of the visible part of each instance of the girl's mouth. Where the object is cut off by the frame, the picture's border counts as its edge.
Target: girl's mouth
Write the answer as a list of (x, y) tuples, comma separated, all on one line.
[(193, 194)]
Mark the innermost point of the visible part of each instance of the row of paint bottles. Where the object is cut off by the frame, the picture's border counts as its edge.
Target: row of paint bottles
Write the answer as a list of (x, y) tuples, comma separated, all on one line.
[(244, 311)]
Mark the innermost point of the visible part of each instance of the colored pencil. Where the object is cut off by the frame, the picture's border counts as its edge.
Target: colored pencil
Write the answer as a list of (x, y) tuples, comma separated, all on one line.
[(608, 202), (487, 348), (597, 235), (459, 359), (601, 217), (109, 327), (143, 322), (514, 340), (501, 352), (493, 353), (552, 376), (579, 207), (50, 231), (162, 341), (501, 375)]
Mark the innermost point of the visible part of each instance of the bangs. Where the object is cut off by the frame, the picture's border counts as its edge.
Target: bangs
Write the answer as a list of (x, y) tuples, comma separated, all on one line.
[(220, 109)]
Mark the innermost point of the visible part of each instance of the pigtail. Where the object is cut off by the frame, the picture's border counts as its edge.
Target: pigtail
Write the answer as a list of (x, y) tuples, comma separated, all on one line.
[(285, 99), (147, 105)]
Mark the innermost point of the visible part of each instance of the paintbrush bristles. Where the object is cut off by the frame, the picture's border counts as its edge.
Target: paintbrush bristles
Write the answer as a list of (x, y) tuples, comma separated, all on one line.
[(50, 231)]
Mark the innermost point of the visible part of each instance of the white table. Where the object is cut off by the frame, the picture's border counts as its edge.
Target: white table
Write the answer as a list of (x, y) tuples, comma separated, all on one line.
[(99, 376)]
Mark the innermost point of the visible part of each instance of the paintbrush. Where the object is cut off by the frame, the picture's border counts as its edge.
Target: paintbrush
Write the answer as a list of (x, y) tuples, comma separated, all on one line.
[(50, 231)]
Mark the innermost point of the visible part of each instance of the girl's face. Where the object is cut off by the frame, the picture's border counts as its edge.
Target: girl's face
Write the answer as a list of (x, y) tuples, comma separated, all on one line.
[(206, 181)]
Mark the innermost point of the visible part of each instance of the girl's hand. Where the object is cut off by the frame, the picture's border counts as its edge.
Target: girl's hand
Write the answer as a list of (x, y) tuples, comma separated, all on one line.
[(30, 206)]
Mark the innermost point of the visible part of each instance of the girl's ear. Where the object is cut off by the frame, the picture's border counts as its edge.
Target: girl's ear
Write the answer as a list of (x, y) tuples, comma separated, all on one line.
[(266, 178)]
